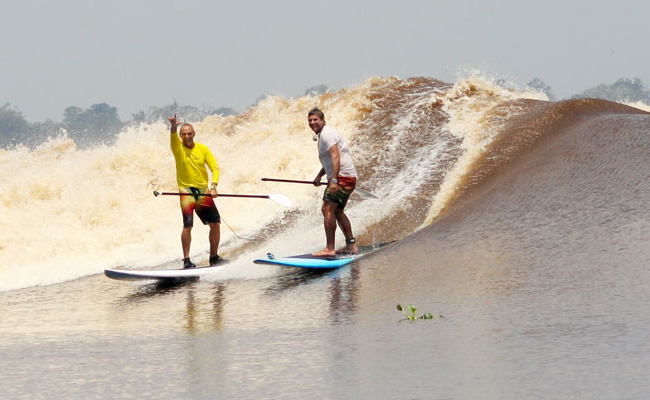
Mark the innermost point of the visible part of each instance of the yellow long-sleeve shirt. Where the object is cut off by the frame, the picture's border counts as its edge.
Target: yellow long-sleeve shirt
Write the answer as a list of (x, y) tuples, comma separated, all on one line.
[(190, 164)]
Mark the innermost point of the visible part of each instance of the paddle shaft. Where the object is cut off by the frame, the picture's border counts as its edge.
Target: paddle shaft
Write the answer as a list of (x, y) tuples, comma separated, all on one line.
[(291, 181), (361, 192), (256, 196)]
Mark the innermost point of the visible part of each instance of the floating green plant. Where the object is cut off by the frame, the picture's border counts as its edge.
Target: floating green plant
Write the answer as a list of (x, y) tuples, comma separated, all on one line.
[(412, 315)]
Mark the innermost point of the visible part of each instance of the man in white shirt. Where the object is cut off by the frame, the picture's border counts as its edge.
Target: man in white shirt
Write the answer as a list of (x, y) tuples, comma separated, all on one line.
[(337, 164)]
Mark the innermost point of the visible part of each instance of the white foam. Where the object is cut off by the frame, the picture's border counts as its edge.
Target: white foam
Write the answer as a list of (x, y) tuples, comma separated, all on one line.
[(67, 213)]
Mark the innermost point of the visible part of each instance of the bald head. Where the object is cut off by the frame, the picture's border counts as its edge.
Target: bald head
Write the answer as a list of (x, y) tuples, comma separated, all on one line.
[(187, 135)]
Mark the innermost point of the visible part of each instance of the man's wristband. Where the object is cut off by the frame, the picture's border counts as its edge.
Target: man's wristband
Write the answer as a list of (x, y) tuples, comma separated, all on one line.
[(334, 180)]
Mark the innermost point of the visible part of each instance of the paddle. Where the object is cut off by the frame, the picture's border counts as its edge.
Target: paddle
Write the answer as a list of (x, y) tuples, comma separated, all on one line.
[(361, 192), (278, 198)]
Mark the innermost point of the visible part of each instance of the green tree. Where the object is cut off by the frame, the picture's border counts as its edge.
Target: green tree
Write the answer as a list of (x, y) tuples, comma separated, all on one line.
[(621, 90), (42, 131), (541, 86), (316, 90), (186, 113), (98, 124), (159, 113), (13, 126), (260, 99), (139, 117), (223, 111)]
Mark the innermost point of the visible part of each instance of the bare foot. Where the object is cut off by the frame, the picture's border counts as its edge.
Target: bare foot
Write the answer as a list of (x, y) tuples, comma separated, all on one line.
[(349, 249), (324, 253)]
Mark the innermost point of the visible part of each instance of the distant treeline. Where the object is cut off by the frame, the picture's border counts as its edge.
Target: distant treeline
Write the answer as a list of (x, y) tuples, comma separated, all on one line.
[(100, 123), (629, 90)]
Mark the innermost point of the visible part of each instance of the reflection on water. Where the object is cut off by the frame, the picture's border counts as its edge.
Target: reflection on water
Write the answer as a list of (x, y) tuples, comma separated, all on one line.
[(541, 274), (205, 316), (341, 289), (515, 326), (343, 292)]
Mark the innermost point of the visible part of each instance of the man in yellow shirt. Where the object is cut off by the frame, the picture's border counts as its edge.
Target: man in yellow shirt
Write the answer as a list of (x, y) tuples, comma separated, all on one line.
[(192, 178)]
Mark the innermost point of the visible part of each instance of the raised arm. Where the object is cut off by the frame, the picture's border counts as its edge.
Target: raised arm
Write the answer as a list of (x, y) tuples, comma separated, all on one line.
[(174, 141), (175, 123)]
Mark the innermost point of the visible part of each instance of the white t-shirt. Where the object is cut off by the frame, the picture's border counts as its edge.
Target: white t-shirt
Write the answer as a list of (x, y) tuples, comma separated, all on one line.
[(327, 138)]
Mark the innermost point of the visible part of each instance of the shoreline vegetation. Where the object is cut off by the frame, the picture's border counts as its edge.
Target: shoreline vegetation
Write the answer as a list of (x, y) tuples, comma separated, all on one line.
[(100, 123)]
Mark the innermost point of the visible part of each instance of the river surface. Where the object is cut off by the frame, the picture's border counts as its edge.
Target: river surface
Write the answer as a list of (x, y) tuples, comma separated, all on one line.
[(528, 245)]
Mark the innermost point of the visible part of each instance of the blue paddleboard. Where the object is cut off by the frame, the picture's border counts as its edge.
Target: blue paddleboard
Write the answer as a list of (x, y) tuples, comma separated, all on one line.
[(311, 262)]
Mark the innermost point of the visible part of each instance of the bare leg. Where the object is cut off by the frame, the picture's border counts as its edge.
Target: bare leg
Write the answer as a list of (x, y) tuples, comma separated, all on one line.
[(215, 237), (186, 241), (329, 222), (346, 228)]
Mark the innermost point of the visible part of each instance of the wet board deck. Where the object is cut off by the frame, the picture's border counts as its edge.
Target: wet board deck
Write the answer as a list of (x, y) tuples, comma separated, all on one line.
[(309, 261), (160, 274)]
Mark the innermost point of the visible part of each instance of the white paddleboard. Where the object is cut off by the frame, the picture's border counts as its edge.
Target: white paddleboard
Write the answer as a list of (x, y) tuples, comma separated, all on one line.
[(161, 274)]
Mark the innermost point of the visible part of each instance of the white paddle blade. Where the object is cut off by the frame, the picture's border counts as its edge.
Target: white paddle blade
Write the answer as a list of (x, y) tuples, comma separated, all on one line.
[(281, 199), (364, 194)]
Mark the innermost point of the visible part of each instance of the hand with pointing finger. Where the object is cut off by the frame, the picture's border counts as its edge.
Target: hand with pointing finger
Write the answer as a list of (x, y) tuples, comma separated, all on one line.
[(174, 121)]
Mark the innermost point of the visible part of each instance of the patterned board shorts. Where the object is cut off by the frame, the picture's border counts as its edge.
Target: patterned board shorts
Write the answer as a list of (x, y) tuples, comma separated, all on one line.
[(203, 206), (346, 187)]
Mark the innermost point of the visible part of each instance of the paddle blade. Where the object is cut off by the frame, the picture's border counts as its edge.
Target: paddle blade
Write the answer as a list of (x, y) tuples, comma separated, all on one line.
[(364, 194), (281, 199)]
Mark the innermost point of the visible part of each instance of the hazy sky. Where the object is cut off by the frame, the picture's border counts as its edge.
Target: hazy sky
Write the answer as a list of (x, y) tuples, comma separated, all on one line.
[(139, 53)]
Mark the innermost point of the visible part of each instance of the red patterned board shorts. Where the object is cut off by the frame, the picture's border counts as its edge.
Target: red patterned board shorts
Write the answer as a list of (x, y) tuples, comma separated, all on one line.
[(346, 187), (203, 206)]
